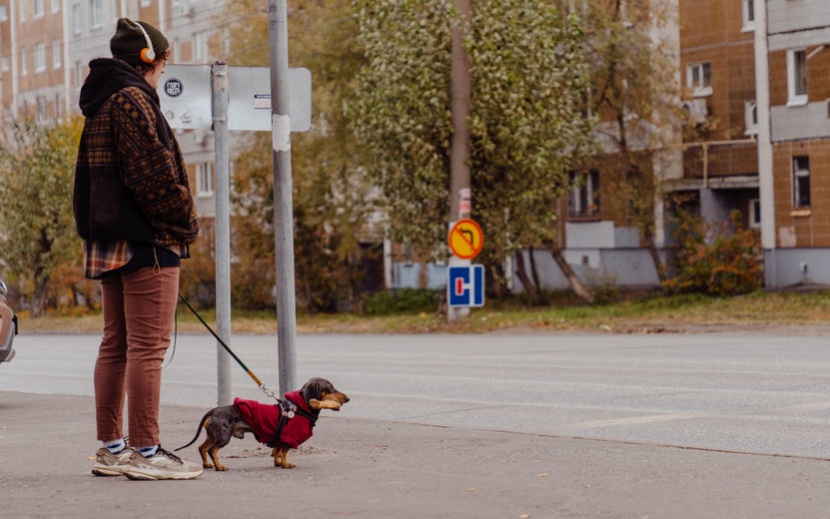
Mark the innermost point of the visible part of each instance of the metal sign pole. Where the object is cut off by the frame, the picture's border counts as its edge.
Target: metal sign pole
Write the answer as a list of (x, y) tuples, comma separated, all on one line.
[(283, 200), (222, 229)]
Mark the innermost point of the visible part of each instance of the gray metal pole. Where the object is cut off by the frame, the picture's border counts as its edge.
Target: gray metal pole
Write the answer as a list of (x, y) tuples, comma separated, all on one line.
[(283, 200), (222, 230)]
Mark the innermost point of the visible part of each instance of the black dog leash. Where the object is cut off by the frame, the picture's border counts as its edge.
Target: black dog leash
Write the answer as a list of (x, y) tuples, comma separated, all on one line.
[(265, 389)]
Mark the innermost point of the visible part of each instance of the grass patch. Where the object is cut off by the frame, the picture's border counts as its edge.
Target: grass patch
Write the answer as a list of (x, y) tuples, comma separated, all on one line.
[(641, 314)]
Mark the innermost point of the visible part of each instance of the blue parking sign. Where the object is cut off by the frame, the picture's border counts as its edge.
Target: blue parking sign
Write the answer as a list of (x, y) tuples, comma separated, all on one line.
[(465, 286)]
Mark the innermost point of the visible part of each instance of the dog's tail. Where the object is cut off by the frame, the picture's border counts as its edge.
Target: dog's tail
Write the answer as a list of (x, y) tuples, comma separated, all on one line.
[(198, 432)]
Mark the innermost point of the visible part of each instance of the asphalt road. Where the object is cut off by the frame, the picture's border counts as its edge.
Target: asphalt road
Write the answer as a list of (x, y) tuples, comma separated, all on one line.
[(743, 393)]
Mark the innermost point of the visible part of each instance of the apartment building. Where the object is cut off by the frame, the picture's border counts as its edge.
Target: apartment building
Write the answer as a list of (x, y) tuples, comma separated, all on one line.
[(46, 46), (797, 229), (757, 69), (753, 79)]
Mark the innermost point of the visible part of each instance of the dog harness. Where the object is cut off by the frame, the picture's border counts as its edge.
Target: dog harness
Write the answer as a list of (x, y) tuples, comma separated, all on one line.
[(290, 421)]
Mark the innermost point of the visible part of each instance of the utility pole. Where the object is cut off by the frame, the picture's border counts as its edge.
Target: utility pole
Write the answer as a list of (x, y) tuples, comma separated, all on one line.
[(460, 144), (283, 199)]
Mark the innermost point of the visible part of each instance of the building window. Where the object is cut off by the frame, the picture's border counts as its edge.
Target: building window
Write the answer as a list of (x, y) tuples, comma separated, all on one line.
[(79, 73), (797, 77), (801, 182), (584, 197), (755, 213), (146, 3), (699, 79), (40, 57), (40, 107), (57, 55), (4, 64), (749, 14), (95, 13), (204, 179), (37, 9), (76, 19), (23, 69), (56, 6), (4, 13), (58, 107), (200, 50), (22, 10), (751, 118)]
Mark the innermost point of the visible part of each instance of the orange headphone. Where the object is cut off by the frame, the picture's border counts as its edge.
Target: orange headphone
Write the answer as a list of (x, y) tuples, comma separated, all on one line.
[(147, 54)]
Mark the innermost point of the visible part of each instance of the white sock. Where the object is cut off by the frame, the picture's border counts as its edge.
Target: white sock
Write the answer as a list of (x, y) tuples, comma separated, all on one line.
[(115, 446), (148, 452)]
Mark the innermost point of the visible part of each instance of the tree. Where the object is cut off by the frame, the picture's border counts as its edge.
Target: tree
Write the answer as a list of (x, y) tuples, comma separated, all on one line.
[(527, 123), (635, 94), (37, 168), (332, 201)]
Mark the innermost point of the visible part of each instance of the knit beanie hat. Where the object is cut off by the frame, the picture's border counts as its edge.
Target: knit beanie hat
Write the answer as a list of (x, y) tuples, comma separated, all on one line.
[(130, 40)]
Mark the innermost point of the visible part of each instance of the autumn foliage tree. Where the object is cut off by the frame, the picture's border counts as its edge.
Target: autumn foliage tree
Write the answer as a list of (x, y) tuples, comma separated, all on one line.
[(527, 123), (332, 201), (37, 232)]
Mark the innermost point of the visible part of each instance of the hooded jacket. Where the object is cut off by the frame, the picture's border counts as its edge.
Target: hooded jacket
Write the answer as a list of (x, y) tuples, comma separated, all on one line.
[(264, 419), (130, 179)]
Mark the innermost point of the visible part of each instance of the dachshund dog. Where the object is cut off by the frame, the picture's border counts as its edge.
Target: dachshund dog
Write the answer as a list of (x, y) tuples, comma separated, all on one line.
[(280, 426)]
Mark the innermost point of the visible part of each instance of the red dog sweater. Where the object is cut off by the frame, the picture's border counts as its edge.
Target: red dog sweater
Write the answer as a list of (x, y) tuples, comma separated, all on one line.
[(264, 419)]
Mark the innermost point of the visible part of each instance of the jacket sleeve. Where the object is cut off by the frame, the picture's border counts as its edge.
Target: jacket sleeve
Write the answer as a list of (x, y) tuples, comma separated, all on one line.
[(152, 170)]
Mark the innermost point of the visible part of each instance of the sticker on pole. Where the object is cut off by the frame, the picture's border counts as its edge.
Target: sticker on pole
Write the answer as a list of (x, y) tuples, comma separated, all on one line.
[(466, 239)]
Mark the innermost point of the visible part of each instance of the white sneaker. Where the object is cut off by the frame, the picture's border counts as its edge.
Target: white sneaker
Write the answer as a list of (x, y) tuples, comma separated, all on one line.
[(109, 464), (161, 465)]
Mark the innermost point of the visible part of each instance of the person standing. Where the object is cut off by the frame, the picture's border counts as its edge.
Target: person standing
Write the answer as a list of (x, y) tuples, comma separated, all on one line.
[(134, 210)]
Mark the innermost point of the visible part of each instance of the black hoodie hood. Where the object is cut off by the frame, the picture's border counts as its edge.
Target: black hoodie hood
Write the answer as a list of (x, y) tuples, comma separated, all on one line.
[(106, 77)]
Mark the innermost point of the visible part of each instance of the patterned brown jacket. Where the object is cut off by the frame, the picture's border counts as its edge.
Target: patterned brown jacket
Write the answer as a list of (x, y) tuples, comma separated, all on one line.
[(130, 178)]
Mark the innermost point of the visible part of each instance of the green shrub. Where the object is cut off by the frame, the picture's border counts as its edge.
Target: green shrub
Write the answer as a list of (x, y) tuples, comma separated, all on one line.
[(401, 301)]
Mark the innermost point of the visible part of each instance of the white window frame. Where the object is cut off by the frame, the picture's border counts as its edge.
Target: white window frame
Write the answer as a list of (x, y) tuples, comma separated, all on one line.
[(38, 9), (748, 8), (796, 77), (23, 9), (584, 201), (146, 3), (200, 47), (751, 118), (77, 19), (57, 54), (96, 14), (79, 73), (755, 213), (4, 13), (204, 179), (699, 78), (40, 57), (4, 64), (56, 6), (23, 69), (801, 174)]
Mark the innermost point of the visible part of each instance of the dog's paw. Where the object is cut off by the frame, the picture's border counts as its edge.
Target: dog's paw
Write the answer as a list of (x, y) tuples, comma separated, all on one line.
[(324, 404)]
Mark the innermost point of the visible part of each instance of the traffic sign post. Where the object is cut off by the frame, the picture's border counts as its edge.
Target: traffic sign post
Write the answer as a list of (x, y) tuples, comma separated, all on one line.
[(465, 282)]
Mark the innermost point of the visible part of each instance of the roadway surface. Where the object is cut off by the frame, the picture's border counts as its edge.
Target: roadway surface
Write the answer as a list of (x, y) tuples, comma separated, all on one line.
[(763, 394), (498, 425)]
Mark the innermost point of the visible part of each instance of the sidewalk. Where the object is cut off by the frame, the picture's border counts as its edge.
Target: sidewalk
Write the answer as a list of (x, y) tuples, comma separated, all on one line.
[(371, 469)]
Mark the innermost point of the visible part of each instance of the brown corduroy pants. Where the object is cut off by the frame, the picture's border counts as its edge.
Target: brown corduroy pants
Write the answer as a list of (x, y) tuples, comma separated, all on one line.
[(138, 313)]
